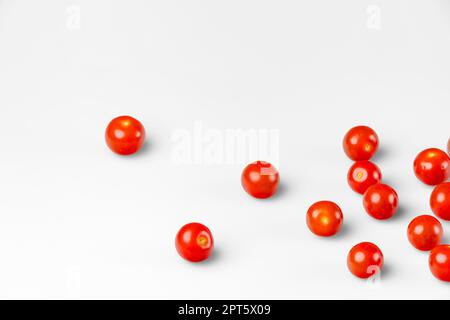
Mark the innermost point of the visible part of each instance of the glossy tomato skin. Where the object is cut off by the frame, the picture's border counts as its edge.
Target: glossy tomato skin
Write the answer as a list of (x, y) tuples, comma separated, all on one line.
[(324, 218), (361, 143), (362, 175), (365, 260), (425, 232), (432, 166), (194, 242), (440, 201), (260, 179), (439, 262), (125, 135), (380, 201)]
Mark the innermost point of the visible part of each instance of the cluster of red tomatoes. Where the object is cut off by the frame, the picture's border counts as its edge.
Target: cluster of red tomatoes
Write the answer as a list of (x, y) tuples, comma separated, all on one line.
[(380, 201), (194, 242)]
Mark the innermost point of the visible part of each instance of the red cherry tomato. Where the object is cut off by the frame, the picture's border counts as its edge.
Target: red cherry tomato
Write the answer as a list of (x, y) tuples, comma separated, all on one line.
[(125, 135), (365, 260), (439, 262), (360, 143), (260, 179), (362, 175), (194, 242), (425, 232), (381, 201), (324, 218), (432, 166), (440, 201)]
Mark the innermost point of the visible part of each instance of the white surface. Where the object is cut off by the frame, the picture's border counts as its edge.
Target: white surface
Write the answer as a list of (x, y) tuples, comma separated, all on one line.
[(76, 221)]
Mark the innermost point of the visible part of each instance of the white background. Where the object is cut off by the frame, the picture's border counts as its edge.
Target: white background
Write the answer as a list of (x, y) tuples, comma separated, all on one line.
[(77, 221)]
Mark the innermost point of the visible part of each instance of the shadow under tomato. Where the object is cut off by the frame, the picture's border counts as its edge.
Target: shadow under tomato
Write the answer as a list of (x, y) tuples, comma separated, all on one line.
[(145, 149), (401, 214), (381, 154), (445, 239), (213, 258), (281, 192), (215, 255), (344, 232), (387, 271)]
